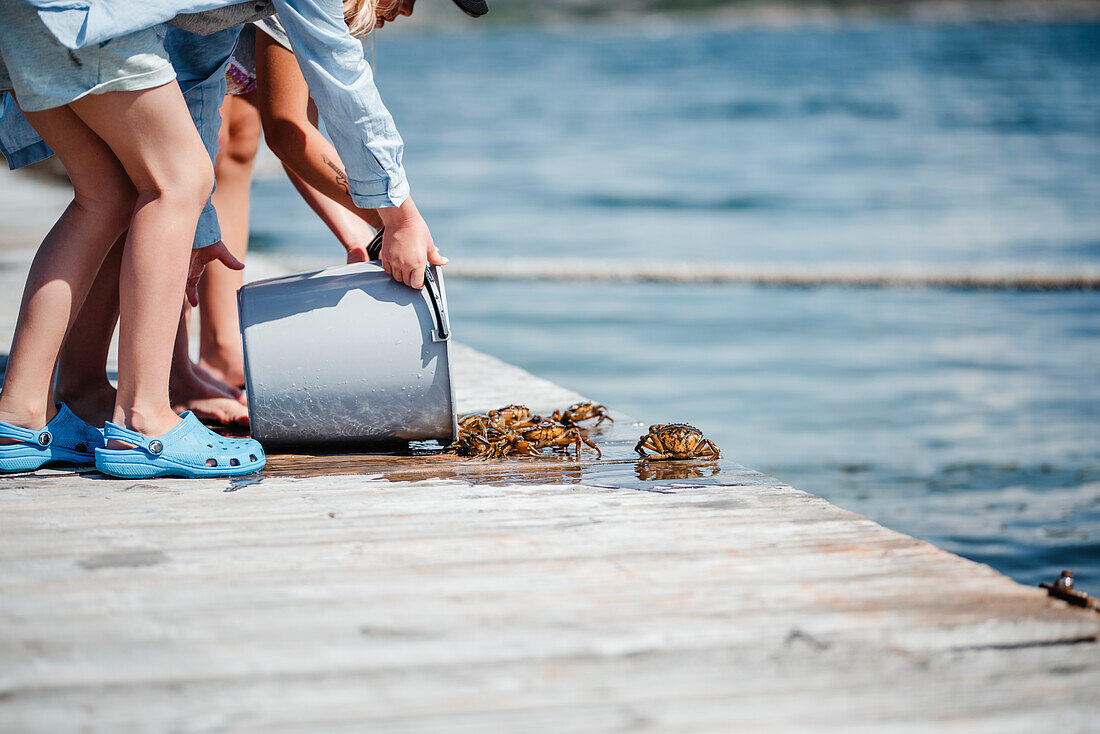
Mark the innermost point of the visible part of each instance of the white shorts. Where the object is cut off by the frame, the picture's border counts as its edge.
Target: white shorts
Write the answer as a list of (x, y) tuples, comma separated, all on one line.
[(45, 74)]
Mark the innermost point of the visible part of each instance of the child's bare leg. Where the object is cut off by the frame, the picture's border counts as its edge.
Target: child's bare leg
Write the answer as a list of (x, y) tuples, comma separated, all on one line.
[(82, 382), (190, 391), (219, 330), (194, 387), (82, 369), (151, 133), (66, 263)]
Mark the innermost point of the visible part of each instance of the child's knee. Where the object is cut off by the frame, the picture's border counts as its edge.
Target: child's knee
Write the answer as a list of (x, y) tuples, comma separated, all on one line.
[(244, 140), (189, 186)]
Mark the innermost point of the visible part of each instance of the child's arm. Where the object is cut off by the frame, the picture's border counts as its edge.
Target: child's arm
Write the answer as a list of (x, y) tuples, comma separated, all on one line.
[(284, 111), (353, 232), (342, 82), (291, 133)]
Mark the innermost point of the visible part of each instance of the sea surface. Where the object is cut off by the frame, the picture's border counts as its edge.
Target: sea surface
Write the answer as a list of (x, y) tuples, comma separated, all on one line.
[(971, 419)]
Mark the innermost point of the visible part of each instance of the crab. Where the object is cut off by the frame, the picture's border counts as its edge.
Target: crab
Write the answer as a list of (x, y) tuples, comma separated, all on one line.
[(675, 441), (482, 425), (513, 416), (579, 412), (550, 435), (486, 439), (469, 443), (506, 444)]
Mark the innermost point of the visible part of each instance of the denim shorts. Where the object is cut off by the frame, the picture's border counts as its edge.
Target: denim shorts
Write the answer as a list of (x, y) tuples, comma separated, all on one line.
[(45, 74)]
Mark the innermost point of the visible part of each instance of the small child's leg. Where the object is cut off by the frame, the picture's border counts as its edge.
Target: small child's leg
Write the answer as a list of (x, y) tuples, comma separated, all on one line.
[(66, 263), (152, 134), (82, 382), (219, 327), (190, 391)]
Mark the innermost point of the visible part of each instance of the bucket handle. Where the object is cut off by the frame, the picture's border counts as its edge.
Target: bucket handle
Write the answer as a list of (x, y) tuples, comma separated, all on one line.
[(443, 330), (374, 249)]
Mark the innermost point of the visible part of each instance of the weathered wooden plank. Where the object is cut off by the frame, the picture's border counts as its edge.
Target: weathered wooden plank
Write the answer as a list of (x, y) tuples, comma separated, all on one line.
[(655, 562), (542, 595), (787, 685)]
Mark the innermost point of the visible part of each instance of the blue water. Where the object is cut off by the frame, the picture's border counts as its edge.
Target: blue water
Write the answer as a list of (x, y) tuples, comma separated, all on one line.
[(967, 418)]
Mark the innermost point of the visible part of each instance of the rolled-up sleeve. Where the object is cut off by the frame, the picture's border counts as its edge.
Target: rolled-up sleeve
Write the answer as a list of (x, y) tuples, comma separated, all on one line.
[(341, 82)]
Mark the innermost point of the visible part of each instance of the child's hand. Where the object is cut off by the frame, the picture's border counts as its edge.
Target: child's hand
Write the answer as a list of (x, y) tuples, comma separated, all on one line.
[(199, 259), (357, 253), (407, 245), (356, 236)]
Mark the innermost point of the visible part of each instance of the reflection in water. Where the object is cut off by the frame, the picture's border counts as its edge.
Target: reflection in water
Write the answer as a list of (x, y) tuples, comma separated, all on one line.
[(665, 471), (421, 465), (428, 460), (621, 470)]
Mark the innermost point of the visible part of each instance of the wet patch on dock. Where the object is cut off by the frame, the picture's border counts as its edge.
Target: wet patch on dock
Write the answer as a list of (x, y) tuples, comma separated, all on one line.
[(619, 467)]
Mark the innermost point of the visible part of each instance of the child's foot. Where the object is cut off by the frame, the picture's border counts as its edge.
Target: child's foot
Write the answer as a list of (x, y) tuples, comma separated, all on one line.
[(30, 420), (222, 368), (219, 385), (64, 439), (149, 424), (207, 400), (188, 449)]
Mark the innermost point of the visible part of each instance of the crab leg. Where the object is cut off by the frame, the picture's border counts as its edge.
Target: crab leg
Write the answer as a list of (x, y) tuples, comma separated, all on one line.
[(712, 450), (646, 442), (577, 439), (599, 454)]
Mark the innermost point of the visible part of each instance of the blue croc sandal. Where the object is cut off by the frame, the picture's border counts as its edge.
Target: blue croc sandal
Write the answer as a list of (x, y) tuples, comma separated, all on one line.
[(189, 450), (65, 440)]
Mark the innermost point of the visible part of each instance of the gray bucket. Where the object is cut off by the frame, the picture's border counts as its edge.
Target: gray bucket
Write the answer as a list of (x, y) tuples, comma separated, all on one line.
[(347, 356)]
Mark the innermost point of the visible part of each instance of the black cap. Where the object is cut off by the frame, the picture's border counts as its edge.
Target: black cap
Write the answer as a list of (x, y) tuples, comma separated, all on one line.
[(475, 8)]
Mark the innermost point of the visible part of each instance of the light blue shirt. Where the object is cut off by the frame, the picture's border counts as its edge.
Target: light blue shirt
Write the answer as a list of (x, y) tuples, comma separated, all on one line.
[(340, 80)]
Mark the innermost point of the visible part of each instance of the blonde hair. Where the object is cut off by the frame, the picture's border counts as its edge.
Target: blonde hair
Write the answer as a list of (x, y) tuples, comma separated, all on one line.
[(361, 15)]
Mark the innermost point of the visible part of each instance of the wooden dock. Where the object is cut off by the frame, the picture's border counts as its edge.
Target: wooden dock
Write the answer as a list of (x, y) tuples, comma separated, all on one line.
[(426, 593)]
